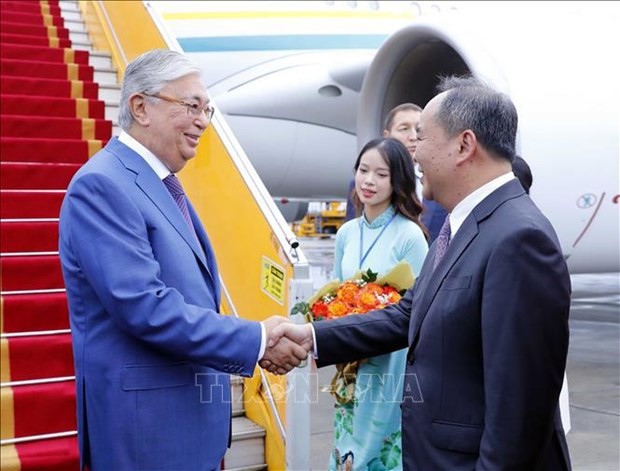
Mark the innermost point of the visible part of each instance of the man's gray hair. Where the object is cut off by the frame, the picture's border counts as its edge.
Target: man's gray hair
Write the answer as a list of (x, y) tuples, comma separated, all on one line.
[(149, 73), (491, 115)]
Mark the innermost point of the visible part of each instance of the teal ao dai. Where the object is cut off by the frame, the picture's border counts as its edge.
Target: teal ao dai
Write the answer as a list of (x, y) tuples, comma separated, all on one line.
[(367, 431)]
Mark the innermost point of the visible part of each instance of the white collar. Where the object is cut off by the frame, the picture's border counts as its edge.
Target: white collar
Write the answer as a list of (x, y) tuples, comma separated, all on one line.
[(157, 165), (466, 206)]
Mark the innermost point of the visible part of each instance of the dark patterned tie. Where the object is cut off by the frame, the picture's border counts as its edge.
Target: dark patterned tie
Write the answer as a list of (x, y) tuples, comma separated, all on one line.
[(176, 190), (443, 240)]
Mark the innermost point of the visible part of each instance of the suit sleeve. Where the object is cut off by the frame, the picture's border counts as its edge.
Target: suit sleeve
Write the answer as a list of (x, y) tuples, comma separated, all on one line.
[(109, 238), (525, 306)]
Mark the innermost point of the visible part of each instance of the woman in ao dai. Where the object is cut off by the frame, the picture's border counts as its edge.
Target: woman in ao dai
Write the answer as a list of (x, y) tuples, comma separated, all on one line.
[(367, 430)]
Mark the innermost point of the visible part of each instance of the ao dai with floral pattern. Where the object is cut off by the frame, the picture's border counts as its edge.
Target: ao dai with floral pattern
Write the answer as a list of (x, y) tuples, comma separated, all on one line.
[(367, 432)]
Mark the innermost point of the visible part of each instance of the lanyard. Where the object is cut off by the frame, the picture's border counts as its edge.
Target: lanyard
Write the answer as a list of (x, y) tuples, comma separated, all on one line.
[(363, 257)]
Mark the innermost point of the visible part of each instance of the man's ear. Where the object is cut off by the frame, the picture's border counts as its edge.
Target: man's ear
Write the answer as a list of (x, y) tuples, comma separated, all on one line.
[(386, 133), (467, 146), (137, 107)]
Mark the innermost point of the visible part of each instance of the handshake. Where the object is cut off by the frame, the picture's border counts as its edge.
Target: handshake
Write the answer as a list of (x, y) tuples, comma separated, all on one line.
[(287, 346)]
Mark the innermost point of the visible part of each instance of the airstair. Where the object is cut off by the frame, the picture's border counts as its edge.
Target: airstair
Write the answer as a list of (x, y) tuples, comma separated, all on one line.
[(38, 393)]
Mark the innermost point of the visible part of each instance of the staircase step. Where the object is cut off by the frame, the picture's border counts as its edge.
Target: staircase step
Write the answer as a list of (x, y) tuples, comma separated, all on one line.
[(71, 15), (100, 59), (67, 5), (38, 86), (52, 454), (26, 149), (38, 409), (36, 176), (8, 38), (248, 445), (105, 75), (28, 236), (44, 54), (51, 127), (20, 204), (34, 8), (79, 37), (75, 26), (58, 107), (236, 385), (32, 18), (34, 312), (25, 273), (39, 30), (53, 70), (110, 92), (37, 357)]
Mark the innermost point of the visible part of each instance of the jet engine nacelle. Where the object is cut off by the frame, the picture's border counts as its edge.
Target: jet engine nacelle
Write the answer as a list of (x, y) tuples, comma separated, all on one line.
[(562, 76)]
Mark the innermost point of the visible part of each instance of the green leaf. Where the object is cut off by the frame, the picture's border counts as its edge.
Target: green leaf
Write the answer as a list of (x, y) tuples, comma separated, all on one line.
[(376, 465), (300, 308), (391, 453), (370, 276)]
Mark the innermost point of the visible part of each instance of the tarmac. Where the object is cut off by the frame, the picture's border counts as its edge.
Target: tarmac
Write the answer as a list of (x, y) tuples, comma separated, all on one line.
[(593, 369)]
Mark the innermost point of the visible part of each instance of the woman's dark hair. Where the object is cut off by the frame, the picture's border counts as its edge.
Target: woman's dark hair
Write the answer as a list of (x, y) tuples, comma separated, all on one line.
[(402, 178)]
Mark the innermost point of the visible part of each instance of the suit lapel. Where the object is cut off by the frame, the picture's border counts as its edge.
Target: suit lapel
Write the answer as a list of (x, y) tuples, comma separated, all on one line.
[(461, 241), (207, 251), (148, 181), (463, 238)]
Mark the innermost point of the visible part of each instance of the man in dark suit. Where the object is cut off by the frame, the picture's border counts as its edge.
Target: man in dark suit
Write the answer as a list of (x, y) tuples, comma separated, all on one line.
[(153, 355), (486, 323)]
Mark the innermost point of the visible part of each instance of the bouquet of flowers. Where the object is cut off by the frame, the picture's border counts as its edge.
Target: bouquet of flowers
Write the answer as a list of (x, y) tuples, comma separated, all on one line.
[(361, 293)]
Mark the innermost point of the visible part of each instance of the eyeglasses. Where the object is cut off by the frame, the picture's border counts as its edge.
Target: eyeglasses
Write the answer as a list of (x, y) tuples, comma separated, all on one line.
[(193, 109)]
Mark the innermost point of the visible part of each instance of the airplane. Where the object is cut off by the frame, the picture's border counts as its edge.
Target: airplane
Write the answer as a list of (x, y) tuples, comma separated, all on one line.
[(304, 85)]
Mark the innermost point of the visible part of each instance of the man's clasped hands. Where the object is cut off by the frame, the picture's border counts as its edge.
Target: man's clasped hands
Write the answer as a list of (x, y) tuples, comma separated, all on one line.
[(288, 344)]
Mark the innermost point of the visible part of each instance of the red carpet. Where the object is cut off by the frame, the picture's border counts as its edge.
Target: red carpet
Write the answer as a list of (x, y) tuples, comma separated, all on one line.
[(51, 121), (32, 312), (26, 175), (42, 31), (34, 40), (51, 87), (43, 54), (24, 236), (56, 107), (48, 150), (26, 68)]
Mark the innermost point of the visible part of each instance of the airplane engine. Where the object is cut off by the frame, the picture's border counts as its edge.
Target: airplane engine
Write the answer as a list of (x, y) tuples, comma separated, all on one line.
[(561, 74)]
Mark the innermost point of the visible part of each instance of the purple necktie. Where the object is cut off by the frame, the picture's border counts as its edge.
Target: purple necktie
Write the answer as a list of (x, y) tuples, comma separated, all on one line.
[(443, 240), (176, 190)]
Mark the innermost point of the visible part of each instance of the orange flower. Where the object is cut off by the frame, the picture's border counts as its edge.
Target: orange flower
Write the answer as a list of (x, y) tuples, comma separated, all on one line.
[(354, 296), (367, 300), (373, 288), (347, 292), (319, 309), (338, 308), (393, 297)]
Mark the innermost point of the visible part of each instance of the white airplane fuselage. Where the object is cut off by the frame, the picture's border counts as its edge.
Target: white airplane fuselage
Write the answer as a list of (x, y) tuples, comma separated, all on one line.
[(301, 115)]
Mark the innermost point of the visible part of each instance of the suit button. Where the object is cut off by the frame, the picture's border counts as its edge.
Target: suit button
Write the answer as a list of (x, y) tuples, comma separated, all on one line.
[(410, 358)]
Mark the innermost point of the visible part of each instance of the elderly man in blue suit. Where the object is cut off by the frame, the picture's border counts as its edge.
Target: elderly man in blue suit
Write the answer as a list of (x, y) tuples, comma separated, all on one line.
[(152, 353), (486, 322)]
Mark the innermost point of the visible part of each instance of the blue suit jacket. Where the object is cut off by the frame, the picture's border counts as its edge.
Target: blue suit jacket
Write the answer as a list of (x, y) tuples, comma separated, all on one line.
[(487, 333), (152, 353)]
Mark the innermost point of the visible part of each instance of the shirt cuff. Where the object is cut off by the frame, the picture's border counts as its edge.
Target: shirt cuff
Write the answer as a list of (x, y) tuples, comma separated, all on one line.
[(315, 350), (263, 342)]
